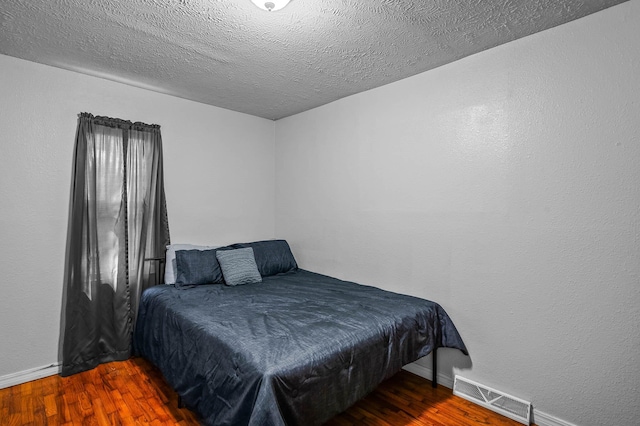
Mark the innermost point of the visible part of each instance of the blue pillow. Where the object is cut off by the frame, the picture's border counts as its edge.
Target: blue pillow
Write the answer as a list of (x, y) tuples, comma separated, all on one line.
[(272, 256), (239, 266), (196, 267)]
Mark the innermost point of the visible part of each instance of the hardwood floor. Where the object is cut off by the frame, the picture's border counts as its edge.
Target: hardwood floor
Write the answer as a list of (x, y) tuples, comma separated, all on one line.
[(133, 392)]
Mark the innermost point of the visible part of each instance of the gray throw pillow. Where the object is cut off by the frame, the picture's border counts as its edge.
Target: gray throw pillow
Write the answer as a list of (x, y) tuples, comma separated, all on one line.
[(239, 266)]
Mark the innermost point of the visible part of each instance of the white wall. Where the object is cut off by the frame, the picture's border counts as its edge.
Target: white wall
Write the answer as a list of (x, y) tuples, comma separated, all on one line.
[(219, 177), (505, 186)]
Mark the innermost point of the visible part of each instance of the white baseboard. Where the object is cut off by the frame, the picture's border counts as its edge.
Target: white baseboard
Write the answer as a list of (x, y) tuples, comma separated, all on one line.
[(544, 419), (28, 375), (539, 418)]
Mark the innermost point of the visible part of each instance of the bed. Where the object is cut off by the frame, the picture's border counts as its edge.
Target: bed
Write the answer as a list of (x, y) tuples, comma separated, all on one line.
[(296, 348)]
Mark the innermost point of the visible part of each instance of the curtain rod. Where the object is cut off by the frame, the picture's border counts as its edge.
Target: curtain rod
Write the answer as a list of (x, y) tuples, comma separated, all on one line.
[(117, 122)]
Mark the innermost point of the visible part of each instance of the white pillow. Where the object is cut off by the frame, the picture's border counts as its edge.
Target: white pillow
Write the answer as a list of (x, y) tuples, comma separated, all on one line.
[(170, 259)]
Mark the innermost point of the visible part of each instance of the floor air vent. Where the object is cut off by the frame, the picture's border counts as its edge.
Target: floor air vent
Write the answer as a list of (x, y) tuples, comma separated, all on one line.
[(494, 400)]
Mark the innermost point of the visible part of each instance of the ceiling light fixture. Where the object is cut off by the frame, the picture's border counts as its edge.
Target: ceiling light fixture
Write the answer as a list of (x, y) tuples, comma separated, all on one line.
[(272, 5)]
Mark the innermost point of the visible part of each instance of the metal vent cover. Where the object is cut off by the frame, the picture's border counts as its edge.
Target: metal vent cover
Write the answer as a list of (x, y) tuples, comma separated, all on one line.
[(507, 405)]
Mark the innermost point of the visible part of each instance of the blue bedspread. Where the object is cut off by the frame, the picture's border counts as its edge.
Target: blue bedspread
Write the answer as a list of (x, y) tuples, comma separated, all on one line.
[(296, 349)]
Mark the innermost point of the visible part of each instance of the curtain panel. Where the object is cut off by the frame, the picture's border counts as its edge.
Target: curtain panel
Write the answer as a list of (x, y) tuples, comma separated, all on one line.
[(117, 219)]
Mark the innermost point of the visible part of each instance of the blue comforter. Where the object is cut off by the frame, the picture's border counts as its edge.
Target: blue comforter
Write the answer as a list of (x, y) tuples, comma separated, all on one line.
[(296, 349)]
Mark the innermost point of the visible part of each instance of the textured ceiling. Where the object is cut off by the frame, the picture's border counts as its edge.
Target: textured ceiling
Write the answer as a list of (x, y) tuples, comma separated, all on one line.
[(230, 54)]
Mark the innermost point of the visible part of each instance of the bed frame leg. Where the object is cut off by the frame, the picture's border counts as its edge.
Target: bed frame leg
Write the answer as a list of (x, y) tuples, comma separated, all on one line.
[(434, 368)]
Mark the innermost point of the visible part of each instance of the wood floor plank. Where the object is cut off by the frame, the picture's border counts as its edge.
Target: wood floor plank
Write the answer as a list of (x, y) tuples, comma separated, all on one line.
[(50, 406), (26, 407), (133, 392), (14, 420)]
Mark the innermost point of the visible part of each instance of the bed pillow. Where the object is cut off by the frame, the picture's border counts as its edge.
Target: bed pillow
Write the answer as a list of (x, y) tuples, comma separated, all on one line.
[(238, 266), (170, 271), (272, 256), (195, 267)]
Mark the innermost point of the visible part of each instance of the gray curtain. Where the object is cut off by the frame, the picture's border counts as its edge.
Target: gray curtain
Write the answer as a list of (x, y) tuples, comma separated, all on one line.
[(117, 219)]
